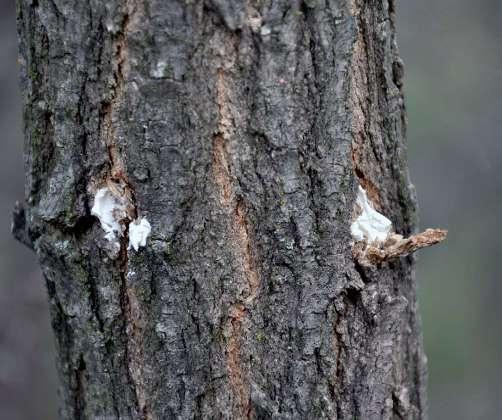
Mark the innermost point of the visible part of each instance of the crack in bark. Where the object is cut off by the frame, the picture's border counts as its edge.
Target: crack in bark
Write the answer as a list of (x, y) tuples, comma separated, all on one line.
[(240, 382), (241, 228), (359, 102), (221, 170), (238, 312), (118, 183), (80, 388)]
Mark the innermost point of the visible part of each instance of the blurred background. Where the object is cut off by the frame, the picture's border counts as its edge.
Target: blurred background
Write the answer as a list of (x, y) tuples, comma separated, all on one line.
[(453, 55)]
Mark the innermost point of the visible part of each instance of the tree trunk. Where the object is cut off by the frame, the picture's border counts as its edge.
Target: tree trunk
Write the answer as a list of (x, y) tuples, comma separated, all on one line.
[(240, 130)]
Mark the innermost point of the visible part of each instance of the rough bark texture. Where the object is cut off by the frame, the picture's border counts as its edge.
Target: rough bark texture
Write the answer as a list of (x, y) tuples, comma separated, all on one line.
[(240, 129)]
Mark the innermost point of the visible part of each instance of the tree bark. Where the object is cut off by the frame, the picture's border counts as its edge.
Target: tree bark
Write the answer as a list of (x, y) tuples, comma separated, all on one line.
[(241, 130)]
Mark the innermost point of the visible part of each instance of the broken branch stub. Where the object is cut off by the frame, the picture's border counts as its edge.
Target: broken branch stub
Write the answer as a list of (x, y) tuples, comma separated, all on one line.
[(395, 246), (375, 242)]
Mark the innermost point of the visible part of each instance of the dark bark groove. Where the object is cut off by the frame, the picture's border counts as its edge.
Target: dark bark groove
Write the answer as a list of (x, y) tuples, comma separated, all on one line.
[(240, 129)]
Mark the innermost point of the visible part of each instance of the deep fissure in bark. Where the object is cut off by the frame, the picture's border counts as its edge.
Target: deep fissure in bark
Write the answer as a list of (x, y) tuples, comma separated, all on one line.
[(241, 130)]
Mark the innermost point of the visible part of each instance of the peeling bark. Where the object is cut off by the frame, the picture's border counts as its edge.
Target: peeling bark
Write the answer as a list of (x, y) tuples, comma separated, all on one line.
[(241, 129)]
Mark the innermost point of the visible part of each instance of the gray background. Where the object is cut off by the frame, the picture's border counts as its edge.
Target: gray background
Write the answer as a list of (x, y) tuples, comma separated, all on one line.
[(453, 55)]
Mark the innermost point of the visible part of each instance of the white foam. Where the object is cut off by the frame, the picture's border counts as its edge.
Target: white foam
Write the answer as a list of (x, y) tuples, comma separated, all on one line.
[(139, 230), (110, 210), (369, 225)]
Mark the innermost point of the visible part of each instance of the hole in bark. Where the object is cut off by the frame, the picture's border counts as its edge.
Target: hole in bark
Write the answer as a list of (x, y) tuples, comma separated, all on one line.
[(83, 225), (398, 73), (392, 7), (352, 296)]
